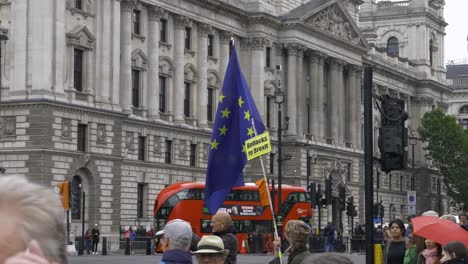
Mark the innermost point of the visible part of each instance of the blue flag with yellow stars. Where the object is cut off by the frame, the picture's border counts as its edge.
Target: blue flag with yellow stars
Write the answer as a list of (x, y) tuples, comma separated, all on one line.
[(232, 127)]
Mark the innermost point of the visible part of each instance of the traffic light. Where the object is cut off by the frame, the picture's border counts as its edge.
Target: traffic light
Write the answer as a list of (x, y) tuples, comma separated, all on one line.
[(381, 210), (343, 198), (312, 193), (350, 208), (65, 194), (375, 211), (318, 196), (392, 134)]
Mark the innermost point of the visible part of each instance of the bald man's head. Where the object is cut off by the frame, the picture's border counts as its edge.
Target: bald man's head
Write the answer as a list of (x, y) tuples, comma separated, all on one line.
[(220, 221)]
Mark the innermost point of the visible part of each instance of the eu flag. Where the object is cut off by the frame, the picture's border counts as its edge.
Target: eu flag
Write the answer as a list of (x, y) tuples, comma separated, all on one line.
[(232, 126)]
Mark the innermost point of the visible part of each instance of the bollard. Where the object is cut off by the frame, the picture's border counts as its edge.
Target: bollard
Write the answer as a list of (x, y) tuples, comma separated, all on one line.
[(148, 246), (104, 246), (378, 256), (80, 246), (127, 246)]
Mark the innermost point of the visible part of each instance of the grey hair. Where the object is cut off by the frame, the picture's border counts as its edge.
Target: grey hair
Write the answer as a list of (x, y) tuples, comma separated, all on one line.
[(327, 258), (449, 217), (38, 213)]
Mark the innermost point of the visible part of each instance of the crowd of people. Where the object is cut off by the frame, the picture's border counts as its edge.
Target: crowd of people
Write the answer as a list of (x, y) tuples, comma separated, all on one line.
[(34, 232)]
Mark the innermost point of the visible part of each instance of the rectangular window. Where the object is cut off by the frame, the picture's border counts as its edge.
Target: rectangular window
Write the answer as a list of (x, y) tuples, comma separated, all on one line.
[(188, 38), (163, 30), (272, 163), (136, 22), (162, 94), (141, 147), (81, 137), (168, 153), (193, 154), (209, 106), (268, 110), (210, 45), (136, 88), (268, 57), (78, 70), (187, 100), (78, 4), (141, 200)]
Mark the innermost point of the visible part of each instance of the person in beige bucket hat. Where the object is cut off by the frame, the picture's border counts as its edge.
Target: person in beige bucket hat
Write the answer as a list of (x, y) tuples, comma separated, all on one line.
[(211, 250)]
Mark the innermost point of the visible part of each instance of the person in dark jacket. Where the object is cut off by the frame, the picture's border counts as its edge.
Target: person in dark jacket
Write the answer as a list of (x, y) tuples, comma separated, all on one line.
[(454, 253), (221, 225), (297, 233), (175, 242), (95, 233), (395, 247)]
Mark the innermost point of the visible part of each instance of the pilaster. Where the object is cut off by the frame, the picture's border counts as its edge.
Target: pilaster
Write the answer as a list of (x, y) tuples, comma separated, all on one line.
[(257, 72), (126, 7), (301, 93), (180, 23), (291, 92), (203, 31), (333, 93), (154, 15), (314, 96)]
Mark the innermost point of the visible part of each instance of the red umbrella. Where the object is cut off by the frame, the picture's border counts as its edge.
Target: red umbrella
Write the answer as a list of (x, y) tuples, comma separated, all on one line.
[(439, 230)]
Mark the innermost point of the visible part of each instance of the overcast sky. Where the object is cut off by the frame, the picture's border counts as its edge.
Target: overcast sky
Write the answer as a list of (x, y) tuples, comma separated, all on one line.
[(456, 12)]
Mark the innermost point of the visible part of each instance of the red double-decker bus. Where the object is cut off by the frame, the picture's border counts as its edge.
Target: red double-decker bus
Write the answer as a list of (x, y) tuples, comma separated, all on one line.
[(185, 201)]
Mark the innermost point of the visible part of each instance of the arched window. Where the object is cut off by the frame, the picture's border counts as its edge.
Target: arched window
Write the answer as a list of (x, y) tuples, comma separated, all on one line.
[(393, 48), (75, 198), (463, 110)]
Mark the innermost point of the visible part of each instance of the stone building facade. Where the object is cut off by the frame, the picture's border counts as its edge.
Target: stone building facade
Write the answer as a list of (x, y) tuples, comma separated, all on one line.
[(118, 96)]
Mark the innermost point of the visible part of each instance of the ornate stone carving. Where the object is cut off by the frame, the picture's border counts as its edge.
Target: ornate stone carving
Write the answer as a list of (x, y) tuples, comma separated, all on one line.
[(66, 127), (101, 133), (292, 49), (181, 21), (205, 149), (8, 126), (90, 6), (394, 93), (333, 21), (258, 43), (81, 37), (139, 59), (225, 36), (204, 29), (129, 140), (155, 13), (442, 105), (190, 73), (127, 5)]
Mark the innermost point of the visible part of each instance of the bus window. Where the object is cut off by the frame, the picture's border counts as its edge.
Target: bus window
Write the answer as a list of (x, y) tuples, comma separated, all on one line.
[(205, 226), (191, 194)]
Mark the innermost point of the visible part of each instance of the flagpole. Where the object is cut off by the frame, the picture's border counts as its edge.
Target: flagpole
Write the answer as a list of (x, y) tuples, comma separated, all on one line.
[(280, 255)]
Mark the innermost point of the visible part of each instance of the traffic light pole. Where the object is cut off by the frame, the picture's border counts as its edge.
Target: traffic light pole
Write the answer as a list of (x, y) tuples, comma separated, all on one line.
[(368, 160)]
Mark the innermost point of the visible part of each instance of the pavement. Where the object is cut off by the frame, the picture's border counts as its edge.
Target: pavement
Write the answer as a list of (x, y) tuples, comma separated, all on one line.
[(143, 259)]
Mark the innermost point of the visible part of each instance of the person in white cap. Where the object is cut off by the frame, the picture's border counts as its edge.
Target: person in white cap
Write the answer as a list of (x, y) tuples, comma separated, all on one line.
[(211, 250), (176, 242)]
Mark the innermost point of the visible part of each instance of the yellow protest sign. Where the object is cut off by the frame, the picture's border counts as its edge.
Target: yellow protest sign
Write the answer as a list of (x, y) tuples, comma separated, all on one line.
[(258, 146)]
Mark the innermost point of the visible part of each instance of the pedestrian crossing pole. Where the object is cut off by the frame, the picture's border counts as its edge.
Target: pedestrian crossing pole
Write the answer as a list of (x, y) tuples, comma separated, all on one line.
[(368, 159)]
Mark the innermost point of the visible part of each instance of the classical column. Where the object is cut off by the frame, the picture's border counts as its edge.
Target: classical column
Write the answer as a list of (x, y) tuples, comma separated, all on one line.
[(224, 37), (322, 94), (115, 63), (19, 25), (357, 90), (103, 71), (341, 97), (126, 7), (301, 93), (291, 92), (352, 125), (181, 22), (203, 31), (314, 97), (155, 13), (333, 94), (257, 73)]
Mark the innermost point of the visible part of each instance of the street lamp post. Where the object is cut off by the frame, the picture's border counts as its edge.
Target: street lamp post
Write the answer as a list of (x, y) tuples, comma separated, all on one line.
[(412, 141), (3, 38), (279, 100)]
